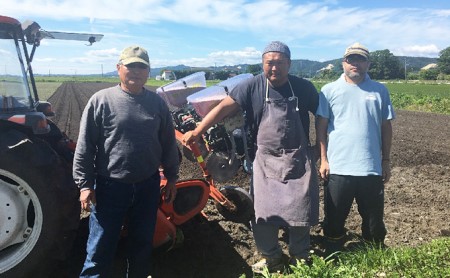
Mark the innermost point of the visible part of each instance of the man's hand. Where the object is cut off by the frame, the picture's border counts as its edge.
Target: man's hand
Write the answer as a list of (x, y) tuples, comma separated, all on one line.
[(170, 192), (189, 138), (324, 169), (87, 196), (386, 170)]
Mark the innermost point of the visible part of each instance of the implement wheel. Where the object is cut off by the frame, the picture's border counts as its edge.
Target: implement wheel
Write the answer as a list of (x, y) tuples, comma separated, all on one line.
[(242, 200)]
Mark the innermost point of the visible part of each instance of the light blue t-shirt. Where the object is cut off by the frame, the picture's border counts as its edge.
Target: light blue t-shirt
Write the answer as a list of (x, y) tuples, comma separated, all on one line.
[(355, 114)]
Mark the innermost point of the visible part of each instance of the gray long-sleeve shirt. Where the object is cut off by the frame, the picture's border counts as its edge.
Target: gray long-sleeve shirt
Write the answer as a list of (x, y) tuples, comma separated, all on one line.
[(125, 137)]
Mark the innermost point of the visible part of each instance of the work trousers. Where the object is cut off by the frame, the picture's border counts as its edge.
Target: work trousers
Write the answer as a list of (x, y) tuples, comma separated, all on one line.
[(266, 239), (368, 191), (118, 203)]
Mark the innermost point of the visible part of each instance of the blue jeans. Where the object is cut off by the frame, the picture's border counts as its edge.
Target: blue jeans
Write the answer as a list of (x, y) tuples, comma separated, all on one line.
[(117, 202)]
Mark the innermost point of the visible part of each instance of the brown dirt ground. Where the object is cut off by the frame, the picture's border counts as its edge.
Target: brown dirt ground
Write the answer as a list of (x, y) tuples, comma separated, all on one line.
[(416, 205)]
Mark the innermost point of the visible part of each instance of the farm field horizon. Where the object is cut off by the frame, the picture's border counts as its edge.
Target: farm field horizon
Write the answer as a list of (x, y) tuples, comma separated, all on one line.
[(412, 95)]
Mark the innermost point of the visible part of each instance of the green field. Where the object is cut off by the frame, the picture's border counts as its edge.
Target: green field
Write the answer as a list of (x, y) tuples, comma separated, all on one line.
[(425, 97), (429, 260), (421, 97)]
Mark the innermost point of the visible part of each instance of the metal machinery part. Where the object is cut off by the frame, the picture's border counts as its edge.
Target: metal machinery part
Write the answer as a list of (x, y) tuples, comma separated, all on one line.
[(222, 167), (243, 204), (224, 139), (224, 145)]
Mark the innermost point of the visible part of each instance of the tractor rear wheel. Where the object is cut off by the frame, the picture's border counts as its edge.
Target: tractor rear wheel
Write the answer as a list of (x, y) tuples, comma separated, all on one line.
[(39, 208)]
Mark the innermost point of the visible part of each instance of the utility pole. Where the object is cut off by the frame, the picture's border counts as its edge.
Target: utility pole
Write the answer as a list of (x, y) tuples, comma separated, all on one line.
[(406, 76)]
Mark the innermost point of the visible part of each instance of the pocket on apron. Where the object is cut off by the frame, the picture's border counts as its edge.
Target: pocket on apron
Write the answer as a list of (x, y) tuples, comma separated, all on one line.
[(283, 165)]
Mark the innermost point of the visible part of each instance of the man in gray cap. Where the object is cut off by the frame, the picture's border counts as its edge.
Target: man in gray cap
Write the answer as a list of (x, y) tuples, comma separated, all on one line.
[(126, 134), (354, 133), (284, 182)]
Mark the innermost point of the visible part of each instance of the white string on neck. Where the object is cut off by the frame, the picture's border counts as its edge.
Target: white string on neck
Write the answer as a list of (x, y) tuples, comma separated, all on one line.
[(292, 92)]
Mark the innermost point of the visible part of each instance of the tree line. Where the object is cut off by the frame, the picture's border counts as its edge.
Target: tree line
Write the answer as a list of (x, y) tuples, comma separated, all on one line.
[(384, 66)]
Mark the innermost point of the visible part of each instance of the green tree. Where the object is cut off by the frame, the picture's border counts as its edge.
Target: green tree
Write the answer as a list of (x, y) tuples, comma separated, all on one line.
[(222, 75), (328, 74), (384, 65), (430, 74), (254, 69), (444, 61)]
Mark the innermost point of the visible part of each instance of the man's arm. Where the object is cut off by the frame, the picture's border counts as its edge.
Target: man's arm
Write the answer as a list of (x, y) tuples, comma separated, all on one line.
[(84, 157), (321, 137), (86, 148), (386, 142), (170, 161), (226, 107)]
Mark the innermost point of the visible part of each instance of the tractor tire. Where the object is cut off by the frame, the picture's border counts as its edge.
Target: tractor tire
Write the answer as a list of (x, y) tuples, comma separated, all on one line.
[(39, 207)]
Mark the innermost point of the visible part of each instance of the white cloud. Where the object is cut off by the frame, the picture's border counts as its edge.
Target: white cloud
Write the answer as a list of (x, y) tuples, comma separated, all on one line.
[(429, 50), (268, 17), (45, 60), (313, 30), (104, 53), (247, 55)]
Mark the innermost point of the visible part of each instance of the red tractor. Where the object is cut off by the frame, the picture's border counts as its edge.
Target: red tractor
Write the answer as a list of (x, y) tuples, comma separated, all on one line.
[(39, 207)]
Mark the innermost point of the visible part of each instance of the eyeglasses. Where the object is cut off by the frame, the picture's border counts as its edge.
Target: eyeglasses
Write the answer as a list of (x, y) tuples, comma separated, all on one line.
[(136, 66), (355, 59)]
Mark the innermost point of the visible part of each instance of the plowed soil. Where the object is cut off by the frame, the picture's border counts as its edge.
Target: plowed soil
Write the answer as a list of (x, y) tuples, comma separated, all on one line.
[(417, 199)]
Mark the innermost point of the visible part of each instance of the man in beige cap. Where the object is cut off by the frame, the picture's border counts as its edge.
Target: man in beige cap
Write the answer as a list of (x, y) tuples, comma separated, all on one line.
[(116, 166), (354, 133)]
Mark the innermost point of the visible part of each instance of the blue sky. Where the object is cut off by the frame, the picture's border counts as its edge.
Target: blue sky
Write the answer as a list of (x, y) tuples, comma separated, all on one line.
[(229, 32)]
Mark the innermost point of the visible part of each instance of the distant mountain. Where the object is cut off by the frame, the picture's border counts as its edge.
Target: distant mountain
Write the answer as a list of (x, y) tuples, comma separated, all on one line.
[(298, 67)]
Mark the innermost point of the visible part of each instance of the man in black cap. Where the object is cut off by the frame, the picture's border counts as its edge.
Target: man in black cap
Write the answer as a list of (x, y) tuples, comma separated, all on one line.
[(284, 182), (126, 134)]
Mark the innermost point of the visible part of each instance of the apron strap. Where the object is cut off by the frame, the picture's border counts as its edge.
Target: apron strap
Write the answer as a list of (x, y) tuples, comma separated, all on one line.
[(290, 98)]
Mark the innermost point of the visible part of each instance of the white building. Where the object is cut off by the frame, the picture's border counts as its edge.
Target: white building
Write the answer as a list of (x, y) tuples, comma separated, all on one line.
[(328, 67), (168, 75), (429, 66)]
